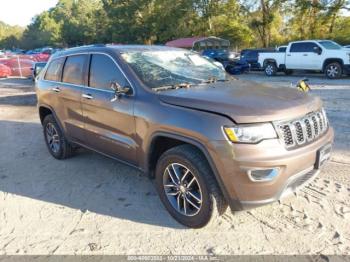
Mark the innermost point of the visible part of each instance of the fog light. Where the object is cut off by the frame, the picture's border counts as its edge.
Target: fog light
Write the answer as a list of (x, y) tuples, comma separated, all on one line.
[(263, 175)]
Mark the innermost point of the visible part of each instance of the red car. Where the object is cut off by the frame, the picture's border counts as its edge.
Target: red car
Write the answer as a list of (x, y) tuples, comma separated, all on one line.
[(5, 71), (19, 67)]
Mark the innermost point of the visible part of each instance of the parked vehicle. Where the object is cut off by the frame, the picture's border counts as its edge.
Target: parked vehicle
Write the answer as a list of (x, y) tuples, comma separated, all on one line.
[(317, 55), (227, 59), (38, 67), (209, 140), (19, 67), (5, 71), (250, 56)]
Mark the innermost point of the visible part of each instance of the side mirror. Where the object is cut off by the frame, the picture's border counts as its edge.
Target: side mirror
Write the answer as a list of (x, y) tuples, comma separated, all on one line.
[(317, 50), (119, 90)]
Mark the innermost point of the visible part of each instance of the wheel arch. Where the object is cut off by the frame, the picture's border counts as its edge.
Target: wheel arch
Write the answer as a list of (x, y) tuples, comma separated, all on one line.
[(332, 60), (151, 159), (45, 110), (269, 60)]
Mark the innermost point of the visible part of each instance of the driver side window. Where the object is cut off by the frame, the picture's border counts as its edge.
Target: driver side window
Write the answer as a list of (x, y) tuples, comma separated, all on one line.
[(104, 72)]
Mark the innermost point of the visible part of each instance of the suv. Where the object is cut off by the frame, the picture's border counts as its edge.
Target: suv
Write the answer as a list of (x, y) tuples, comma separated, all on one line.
[(208, 140)]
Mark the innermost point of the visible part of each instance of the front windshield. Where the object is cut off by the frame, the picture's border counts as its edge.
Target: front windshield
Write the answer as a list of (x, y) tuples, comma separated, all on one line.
[(172, 67), (330, 45)]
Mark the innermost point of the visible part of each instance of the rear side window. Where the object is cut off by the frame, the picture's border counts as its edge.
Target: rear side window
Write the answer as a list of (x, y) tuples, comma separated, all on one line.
[(54, 70), (73, 71), (103, 72), (303, 47)]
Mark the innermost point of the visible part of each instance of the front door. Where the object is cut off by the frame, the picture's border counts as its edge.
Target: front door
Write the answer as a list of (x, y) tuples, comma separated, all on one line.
[(302, 55), (109, 123)]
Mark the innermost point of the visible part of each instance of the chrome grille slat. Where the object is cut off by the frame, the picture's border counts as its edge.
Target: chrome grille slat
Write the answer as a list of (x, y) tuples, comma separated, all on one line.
[(297, 132)]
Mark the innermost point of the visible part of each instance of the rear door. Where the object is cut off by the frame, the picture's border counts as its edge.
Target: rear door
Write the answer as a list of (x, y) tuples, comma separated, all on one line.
[(109, 123), (70, 90), (51, 83)]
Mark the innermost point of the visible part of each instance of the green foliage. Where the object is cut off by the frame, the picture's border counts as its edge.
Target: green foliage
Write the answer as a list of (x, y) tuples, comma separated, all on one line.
[(341, 31), (10, 35), (253, 23)]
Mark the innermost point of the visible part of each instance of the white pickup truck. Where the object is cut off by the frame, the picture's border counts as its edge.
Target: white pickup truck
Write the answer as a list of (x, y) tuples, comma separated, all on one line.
[(317, 55)]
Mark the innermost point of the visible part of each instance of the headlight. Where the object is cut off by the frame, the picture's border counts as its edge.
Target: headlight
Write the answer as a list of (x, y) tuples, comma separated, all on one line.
[(250, 133)]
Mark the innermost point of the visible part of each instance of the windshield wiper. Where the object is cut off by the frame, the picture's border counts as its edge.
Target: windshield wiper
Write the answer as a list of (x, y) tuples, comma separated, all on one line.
[(175, 86)]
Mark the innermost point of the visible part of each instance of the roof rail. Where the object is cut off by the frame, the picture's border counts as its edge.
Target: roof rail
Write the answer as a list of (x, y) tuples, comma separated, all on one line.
[(84, 46)]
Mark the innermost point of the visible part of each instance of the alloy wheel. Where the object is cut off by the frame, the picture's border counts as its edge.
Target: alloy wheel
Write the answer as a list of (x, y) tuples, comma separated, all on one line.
[(332, 71), (269, 70), (182, 189), (52, 138)]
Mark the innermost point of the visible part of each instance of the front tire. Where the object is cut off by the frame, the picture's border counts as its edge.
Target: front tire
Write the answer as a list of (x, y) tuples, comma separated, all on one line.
[(270, 69), (56, 142), (187, 187), (333, 70)]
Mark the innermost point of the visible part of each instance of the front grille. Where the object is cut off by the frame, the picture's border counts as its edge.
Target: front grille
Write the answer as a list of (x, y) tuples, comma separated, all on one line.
[(302, 131)]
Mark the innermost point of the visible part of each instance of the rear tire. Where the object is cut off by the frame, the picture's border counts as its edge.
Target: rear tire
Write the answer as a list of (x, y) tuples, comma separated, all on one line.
[(176, 190), (56, 142), (333, 70), (270, 69)]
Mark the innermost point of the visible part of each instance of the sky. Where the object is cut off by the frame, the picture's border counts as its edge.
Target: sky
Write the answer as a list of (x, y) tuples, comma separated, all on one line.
[(20, 12)]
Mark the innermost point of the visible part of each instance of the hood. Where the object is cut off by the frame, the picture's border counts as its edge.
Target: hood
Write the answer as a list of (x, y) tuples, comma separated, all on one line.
[(244, 102)]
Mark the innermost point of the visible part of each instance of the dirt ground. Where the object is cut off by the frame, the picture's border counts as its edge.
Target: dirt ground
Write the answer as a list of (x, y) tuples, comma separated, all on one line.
[(90, 204)]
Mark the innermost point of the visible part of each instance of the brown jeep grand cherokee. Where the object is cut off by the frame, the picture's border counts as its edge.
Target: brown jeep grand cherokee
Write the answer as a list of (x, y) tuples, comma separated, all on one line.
[(208, 140)]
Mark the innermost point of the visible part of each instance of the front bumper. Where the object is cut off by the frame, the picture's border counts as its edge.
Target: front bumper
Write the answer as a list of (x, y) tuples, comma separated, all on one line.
[(295, 168), (292, 184)]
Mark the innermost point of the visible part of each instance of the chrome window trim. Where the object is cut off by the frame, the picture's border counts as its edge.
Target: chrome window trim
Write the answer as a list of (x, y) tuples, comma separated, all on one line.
[(63, 83), (86, 86)]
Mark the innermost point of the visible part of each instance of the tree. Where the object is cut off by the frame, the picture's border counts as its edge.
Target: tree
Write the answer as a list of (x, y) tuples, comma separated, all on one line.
[(10, 36), (43, 30), (264, 18), (258, 23)]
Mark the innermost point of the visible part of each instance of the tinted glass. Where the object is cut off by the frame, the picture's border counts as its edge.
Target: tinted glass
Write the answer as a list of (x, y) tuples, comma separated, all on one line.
[(303, 47), (252, 54), (330, 45), (282, 49), (73, 72), (103, 72), (54, 70)]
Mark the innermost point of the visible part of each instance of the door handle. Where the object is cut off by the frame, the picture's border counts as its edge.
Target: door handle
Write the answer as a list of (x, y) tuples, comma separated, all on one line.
[(305, 54), (289, 55), (87, 96), (56, 89)]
